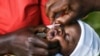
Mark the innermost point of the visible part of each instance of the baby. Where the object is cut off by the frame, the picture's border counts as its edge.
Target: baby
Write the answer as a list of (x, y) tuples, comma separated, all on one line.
[(75, 39)]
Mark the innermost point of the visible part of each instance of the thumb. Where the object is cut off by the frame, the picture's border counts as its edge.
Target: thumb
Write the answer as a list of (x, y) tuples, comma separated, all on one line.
[(67, 18)]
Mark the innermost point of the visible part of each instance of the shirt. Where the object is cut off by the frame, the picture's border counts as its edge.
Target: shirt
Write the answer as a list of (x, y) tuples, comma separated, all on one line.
[(17, 14)]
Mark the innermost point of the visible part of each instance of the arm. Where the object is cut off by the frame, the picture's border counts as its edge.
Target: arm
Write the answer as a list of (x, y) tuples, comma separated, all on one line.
[(71, 9)]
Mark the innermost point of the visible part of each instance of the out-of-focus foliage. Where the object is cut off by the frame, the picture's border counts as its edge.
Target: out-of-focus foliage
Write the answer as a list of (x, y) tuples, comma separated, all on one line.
[(93, 19)]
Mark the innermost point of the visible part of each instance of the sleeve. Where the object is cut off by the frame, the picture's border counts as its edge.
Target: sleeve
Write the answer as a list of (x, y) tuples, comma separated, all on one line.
[(45, 19), (15, 14)]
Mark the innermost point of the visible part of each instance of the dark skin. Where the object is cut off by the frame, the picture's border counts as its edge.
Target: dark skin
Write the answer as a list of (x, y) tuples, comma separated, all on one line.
[(66, 11), (25, 42), (70, 11), (67, 36)]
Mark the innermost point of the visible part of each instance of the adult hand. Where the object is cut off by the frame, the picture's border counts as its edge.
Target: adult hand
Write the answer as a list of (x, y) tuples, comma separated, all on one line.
[(23, 43), (65, 11)]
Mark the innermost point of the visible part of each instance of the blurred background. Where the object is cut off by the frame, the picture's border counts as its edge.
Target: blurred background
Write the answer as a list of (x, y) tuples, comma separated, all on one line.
[(93, 19)]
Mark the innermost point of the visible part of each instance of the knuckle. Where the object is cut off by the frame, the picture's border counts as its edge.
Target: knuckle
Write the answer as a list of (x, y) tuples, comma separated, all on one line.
[(48, 4), (52, 10)]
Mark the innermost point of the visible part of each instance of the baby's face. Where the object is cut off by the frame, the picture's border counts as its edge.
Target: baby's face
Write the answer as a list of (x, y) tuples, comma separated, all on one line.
[(72, 35), (69, 34)]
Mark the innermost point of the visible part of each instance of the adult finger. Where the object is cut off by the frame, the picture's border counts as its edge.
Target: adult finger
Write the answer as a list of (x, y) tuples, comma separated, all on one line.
[(67, 18), (49, 4), (40, 51), (38, 42), (58, 7), (38, 29)]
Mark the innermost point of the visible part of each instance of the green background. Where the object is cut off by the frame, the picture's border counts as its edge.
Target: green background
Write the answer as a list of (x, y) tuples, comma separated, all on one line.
[(93, 19)]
